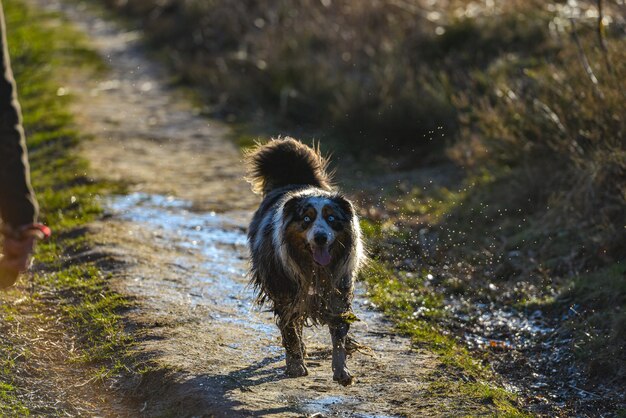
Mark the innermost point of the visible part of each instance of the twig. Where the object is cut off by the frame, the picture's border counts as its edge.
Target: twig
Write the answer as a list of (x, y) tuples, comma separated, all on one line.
[(600, 29), (585, 392), (405, 6), (605, 49), (585, 61), (31, 289), (78, 385)]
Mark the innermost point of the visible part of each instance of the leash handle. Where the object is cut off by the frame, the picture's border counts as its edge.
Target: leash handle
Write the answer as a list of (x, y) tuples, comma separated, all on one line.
[(38, 231)]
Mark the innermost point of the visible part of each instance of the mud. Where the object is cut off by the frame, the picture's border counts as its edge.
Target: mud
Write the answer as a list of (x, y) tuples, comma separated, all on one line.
[(179, 239)]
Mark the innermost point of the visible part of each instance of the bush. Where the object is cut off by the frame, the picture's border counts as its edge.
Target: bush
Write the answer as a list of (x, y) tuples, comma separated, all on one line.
[(553, 125), (347, 67)]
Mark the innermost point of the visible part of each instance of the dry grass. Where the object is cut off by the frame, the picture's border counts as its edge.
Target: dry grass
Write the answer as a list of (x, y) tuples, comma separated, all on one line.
[(354, 67), (552, 125)]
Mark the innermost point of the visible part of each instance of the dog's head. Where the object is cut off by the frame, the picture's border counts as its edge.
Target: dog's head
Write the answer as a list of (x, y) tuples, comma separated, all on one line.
[(319, 227)]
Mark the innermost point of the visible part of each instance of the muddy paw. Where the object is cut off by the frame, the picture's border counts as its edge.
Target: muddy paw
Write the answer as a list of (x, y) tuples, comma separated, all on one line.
[(343, 377), (296, 369)]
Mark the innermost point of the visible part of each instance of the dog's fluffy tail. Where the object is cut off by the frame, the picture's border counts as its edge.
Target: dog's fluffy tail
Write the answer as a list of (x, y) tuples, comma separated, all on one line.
[(286, 161)]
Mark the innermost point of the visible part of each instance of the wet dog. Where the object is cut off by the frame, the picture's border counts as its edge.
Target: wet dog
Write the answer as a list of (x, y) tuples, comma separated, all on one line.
[(305, 243)]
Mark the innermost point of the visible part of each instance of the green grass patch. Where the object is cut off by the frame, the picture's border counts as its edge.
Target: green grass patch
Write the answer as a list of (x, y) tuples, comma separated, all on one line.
[(44, 50), (402, 297), (10, 402), (93, 312), (9, 405), (371, 229), (433, 205)]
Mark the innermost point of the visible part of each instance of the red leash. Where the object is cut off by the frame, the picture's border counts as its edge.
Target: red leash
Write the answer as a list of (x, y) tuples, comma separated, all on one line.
[(39, 231)]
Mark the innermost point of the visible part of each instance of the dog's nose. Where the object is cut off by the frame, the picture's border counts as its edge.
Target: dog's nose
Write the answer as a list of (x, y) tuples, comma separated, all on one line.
[(320, 238)]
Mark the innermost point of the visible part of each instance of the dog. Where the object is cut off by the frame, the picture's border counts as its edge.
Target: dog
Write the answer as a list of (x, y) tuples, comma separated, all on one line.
[(306, 249)]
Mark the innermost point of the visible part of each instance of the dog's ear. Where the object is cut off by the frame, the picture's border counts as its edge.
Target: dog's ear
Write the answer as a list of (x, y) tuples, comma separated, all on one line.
[(292, 209), (345, 205)]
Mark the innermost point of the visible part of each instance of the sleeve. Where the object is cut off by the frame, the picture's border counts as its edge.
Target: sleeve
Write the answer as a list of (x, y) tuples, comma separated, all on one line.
[(18, 205)]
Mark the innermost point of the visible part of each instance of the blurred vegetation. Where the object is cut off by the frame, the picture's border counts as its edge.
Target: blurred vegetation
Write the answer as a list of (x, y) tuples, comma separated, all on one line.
[(533, 93), (353, 68)]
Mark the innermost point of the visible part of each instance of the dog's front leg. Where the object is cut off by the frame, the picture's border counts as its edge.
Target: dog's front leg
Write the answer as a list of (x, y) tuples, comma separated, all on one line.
[(338, 333), (294, 348)]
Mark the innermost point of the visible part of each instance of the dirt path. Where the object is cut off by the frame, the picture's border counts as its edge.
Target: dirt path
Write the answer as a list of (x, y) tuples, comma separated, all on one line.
[(180, 234)]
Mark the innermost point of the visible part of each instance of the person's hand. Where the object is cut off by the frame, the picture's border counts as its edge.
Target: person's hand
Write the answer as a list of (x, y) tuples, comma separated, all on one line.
[(17, 252), (17, 249)]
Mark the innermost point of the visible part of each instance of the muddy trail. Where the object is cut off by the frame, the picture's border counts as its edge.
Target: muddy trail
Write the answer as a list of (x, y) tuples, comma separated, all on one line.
[(178, 238)]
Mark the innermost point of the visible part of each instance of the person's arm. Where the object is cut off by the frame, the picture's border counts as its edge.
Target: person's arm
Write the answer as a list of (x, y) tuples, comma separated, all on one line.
[(18, 206)]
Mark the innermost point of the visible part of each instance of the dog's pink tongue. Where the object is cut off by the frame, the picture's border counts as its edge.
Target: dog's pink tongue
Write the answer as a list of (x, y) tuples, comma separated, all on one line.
[(321, 255)]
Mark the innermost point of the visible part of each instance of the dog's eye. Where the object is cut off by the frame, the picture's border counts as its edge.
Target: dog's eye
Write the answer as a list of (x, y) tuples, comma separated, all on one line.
[(307, 219), (331, 218)]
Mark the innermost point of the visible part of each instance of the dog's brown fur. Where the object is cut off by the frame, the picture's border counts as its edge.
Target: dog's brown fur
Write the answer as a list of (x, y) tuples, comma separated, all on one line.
[(306, 281)]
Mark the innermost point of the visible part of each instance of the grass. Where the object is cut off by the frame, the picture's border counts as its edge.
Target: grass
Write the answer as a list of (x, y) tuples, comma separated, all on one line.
[(10, 402), (403, 298), (482, 243), (599, 321), (73, 296)]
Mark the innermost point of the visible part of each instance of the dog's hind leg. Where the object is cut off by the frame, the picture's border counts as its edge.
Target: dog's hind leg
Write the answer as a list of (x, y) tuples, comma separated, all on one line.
[(291, 332), (338, 333)]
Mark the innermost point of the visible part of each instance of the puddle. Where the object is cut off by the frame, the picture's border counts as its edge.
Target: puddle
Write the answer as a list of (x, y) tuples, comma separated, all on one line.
[(530, 338), (216, 269), (490, 325), (496, 327), (213, 253), (334, 405), (324, 405)]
